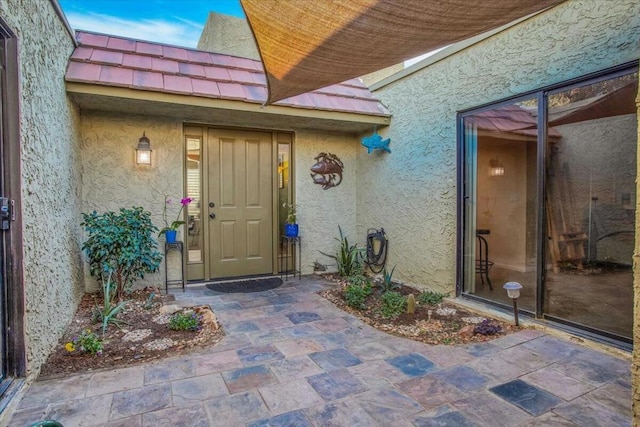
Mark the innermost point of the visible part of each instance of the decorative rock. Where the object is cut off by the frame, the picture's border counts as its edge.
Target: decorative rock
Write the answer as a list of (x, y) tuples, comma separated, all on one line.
[(137, 335), (466, 331), (161, 319), (169, 309), (208, 317), (161, 344), (473, 320), (445, 311)]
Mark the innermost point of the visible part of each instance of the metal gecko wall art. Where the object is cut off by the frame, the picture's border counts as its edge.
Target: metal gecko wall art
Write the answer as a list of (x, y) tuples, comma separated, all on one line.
[(327, 171)]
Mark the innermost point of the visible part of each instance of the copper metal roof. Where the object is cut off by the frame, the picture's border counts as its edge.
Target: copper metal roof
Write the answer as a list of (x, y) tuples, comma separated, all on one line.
[(120, 62)]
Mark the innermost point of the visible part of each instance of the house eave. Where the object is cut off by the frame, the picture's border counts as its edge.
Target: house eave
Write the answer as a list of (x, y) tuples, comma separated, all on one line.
[(217, 111)]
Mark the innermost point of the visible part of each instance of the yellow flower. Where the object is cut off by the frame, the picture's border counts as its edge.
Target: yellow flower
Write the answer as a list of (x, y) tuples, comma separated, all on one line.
[(69, 347)]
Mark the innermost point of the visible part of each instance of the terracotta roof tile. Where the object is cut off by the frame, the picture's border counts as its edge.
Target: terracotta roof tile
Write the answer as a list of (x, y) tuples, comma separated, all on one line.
[(148, 49), (118, 61), (137, 61), (78, 71), (205, 88), (106, 57), (164, 65), (217, 73), (116, 43), (240, 76), (174, 53), (177, 84), (188, 68), (148, 80), (199, 56), (231, 90), (90, 39), (82, 53), (116, 75)]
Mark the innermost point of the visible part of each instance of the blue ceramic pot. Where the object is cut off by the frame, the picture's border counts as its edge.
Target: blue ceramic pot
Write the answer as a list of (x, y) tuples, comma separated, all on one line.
[(170, 236), (291, 230)]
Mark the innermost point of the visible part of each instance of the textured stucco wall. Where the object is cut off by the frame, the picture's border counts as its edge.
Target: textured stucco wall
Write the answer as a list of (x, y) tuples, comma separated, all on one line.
[(412, 191), (320, 212), (112, 180), (229, 35), (51, 179)]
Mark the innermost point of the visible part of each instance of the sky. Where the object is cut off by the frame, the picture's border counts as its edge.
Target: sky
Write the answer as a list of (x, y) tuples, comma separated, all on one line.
[(175, 22)]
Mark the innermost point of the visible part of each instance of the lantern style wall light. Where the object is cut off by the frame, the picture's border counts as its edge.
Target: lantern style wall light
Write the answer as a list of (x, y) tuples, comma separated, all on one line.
[(143, 151), (513, 292), (495, 168)]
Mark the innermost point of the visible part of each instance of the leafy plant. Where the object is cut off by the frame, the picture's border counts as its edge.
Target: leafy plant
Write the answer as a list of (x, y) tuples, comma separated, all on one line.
[(387, 284), (87, 342), (486, 328), (393, 304), (348, 258), (121, 244), (355, 294), (109, 311), (291, 212), (185, 321), (431, 298), (178, 222)]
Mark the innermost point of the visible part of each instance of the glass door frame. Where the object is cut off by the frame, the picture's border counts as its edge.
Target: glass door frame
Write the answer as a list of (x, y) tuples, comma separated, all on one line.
[(541, 95)]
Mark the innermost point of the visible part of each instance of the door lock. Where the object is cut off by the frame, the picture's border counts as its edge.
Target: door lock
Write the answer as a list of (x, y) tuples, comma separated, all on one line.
[(212, 205)]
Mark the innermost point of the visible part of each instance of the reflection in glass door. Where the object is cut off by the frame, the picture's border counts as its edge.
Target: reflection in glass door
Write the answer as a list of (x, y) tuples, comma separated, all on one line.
[(501, 201), (591, 197)]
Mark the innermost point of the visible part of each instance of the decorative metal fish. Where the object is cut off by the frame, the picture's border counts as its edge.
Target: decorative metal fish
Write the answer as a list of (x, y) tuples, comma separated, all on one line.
[(375, 142)]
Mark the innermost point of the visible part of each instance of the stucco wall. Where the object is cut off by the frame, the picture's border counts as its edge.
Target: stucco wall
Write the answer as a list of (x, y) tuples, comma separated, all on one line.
[(229, 35), (50, 176), (320, 212), (412, 191), (112, 180)]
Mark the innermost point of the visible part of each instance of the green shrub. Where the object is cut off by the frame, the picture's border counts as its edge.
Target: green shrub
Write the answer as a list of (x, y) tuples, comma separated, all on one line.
[(121, 244), (348, 258), (431, 298), (356, 294), (393, 305), (185, 321)]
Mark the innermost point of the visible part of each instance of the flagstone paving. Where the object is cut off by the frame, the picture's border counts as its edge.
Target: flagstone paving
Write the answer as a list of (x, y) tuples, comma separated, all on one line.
[(290, 358)]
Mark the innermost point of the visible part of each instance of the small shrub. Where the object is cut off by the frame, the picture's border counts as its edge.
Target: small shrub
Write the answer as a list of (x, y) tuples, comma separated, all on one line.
[(108, 312), (356, 294), (87, 342), (486, 328), (148, 304), (393, 304), (431, 298), (122, 244), (185, 322), (348, 258), (387, 283)]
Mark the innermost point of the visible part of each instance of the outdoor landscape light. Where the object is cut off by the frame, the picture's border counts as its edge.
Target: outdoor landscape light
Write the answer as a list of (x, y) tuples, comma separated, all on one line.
[(496, 168), (513, 292), (143, 151)]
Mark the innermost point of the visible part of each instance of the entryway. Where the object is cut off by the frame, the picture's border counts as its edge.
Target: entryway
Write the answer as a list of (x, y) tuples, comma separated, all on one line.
[(232, 223)]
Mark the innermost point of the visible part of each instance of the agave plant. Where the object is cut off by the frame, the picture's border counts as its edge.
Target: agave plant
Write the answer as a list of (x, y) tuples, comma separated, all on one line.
[(348, 257), (109, 311)]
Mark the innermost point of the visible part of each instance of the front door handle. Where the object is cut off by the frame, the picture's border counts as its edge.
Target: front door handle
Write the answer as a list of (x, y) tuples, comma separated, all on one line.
[(212, 215)]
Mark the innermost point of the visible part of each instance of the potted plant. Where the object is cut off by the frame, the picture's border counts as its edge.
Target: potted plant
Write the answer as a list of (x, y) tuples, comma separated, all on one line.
[(170, 230), (290, 226)]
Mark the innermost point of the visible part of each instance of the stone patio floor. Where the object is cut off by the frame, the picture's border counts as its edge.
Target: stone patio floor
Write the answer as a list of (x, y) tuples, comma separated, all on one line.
[(291, 358)]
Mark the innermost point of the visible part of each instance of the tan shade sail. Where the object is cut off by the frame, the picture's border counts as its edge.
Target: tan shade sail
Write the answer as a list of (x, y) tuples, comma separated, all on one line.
[(308, 44)]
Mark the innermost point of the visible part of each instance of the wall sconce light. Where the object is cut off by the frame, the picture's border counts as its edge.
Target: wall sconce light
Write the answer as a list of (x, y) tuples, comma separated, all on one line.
[(513, 292), (143, 151), (495, 168)]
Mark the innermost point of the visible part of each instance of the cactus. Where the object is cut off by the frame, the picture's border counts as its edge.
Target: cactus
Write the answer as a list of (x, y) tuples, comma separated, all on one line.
[(411, 304)]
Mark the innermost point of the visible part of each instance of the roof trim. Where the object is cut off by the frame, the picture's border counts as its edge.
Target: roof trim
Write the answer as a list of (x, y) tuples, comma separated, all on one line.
[(224, 104), (448, 51)]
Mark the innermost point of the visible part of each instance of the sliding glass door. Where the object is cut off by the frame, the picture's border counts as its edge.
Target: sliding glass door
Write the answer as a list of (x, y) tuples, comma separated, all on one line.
[(554, 209)]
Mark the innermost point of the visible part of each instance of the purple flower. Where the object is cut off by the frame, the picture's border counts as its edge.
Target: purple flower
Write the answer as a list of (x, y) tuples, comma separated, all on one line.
[(186, 201)]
